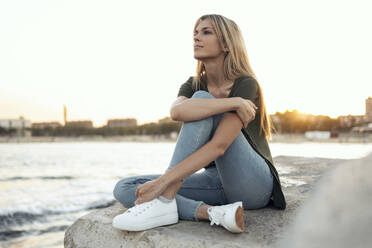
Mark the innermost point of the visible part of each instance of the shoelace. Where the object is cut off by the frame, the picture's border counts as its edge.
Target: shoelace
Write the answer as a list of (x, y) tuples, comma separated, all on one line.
[(140, 208), (215, 215)]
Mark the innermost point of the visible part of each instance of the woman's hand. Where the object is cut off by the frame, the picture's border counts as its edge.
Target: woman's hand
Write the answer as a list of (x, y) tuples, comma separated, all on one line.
[(149, 191), (246, 110)]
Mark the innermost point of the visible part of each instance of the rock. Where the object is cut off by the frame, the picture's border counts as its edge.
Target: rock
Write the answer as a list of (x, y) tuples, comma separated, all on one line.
[(263, 227), (338, 212)]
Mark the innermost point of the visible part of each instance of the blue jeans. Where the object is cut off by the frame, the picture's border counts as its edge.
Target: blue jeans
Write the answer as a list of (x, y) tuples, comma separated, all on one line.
[(240, 173)]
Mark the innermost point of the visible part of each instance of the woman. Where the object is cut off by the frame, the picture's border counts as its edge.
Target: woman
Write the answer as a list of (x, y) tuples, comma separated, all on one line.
[(221, 132)]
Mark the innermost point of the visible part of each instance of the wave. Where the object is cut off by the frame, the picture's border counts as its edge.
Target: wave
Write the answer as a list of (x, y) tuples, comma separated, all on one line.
[(19, 218), (42, 178), (101, 205), (12, 234)]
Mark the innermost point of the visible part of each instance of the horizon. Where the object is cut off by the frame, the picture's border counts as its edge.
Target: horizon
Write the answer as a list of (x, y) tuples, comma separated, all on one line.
[(103, 62), (160, 118)]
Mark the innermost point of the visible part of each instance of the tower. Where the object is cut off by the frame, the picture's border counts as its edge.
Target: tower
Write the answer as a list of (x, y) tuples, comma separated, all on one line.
[(65, 114), (368, 116)]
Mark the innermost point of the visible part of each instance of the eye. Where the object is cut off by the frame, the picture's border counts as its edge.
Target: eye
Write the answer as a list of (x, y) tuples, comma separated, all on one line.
[(205, 32)]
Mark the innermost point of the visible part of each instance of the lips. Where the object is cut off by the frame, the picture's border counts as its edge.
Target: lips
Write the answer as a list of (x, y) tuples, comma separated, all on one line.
[(197, 46)]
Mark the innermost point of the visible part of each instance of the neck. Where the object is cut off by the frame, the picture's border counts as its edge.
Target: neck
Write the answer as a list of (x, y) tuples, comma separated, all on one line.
[(214, 72)]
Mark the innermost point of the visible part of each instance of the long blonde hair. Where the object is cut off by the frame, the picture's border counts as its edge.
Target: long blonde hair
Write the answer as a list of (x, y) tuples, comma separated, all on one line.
[(236, 63)]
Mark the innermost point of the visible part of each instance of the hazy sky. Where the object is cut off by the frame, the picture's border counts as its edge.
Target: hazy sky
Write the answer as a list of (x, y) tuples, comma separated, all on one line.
[(118, 59)]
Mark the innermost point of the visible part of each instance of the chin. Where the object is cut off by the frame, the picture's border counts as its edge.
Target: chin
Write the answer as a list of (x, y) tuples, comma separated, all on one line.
[(205, 57), (198, 57)]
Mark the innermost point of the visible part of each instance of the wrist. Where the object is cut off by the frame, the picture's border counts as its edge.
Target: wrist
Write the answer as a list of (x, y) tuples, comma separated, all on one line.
[(235, 103), (169, 177), (164, 179)]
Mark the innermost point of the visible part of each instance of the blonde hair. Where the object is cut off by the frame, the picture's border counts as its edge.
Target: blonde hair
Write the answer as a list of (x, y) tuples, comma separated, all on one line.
[(236, 63)]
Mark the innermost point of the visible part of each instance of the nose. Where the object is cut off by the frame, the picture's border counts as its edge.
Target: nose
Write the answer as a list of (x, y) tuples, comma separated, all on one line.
[(196, 37)]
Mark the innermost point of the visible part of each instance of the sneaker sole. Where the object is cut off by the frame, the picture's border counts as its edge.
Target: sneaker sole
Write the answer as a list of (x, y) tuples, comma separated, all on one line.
[(168, 219), (237, 226), (239, 218)]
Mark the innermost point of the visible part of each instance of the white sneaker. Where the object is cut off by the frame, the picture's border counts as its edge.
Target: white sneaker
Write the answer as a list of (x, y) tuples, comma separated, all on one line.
[(230, 216), (147, 215)]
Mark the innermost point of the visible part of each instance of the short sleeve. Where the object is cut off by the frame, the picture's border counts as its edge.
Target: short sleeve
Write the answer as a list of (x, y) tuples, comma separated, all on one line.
[(186, 89), (247, 88)]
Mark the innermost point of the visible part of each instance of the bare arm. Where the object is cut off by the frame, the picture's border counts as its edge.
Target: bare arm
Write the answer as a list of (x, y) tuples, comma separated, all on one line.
[(191, 109), (227, 130)]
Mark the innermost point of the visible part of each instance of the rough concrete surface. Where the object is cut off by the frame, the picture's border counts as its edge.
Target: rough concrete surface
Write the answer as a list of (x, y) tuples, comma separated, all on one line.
[(263, 227), (338, 212)]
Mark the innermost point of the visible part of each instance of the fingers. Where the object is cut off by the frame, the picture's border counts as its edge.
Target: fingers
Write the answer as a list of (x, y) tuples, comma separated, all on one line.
[(249, 116), (139, 197), (253, 110), (142, 200), (252, 104), (244, 117), (244, 123), (138, 191), (247, 113)]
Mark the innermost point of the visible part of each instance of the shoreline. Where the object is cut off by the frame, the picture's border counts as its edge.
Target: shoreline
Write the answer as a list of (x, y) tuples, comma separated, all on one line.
[(282, 138)]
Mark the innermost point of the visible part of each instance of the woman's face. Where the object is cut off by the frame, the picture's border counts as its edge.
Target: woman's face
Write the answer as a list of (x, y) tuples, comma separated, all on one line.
[(206, 44)]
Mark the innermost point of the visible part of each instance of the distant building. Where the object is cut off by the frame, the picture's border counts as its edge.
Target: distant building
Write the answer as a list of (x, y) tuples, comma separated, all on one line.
[(129, 122), (20, 125), (165, 120), (87, 124), (318, 134), (351, 120), (363, 129), (52, 124), (368, 116)]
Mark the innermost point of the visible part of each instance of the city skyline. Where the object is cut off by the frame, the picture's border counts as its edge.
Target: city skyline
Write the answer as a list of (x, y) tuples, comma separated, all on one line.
[(367, 116), (102, 123), (117, 60)]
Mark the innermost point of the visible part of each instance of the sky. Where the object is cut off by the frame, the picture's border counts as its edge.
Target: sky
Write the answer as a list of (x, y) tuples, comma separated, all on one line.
[(127, 59)]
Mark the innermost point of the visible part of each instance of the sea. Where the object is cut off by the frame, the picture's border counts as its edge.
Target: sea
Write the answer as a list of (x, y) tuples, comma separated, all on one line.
[(45, 187)]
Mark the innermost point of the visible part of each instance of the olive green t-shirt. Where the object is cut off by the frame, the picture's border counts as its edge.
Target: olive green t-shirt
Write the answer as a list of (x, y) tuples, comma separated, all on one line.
[(247, 87)]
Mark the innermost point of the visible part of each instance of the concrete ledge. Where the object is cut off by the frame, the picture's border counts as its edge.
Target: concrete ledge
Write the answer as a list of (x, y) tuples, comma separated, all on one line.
[(338, 212), (264, 227)]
